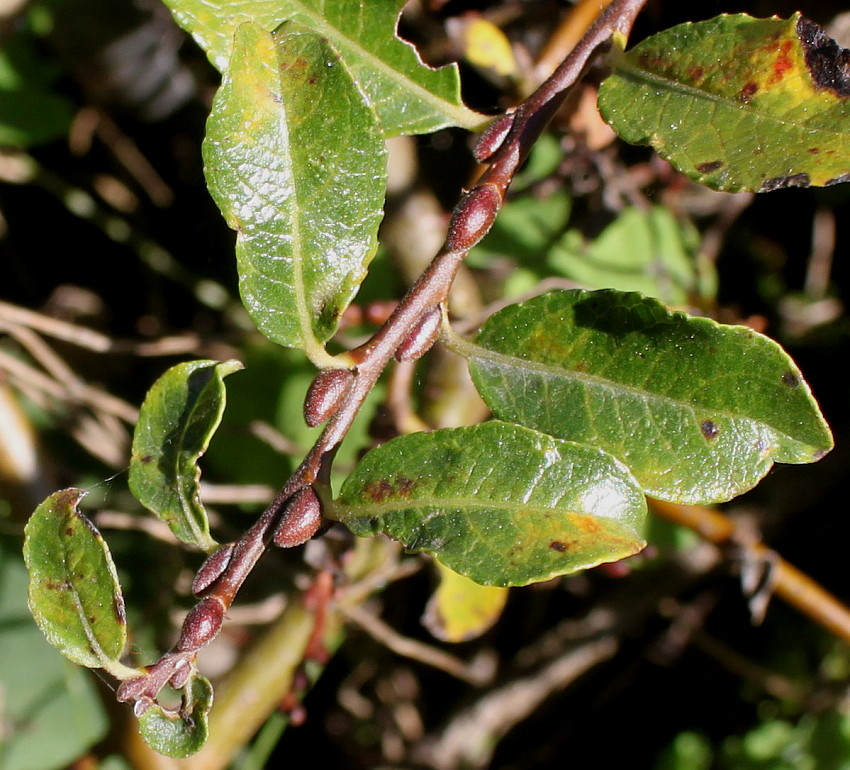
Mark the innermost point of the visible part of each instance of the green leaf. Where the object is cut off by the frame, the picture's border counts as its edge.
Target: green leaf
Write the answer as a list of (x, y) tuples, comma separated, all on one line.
[(737, 103), (697, 410), (74, 594), (500, 504), (408, 96), (180, 733), (646, 250), (52, 711), (179, 416), (460, 609), (295, 161), (32, 112)]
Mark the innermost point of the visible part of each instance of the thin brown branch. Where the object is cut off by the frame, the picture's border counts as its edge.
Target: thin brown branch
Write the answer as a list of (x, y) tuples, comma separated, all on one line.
[(789, 583), (413, 649)]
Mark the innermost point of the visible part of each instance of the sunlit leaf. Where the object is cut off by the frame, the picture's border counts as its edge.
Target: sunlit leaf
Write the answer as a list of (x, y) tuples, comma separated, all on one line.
[(500, 504), (697, 410), (460, 609), (408, 96), (184, 731), (74, 594), (178, 418), (295, 161), (738, 103)]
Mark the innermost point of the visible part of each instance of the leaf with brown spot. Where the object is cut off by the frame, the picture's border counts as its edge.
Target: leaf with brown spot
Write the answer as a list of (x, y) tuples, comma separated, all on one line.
[(74, 594), (752, 95), (180, 413), (698, 411), (489, 500)]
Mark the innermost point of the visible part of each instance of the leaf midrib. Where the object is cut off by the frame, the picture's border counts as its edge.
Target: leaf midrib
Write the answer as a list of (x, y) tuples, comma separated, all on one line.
[(627, 71), (462, 115), (474, 351)]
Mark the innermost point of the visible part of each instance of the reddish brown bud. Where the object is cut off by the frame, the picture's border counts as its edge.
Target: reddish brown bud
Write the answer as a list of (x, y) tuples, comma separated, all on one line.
[(473, 216), (492, 137), (212, 569), (201, 625), (300, 521), (325, 394), (420, 340)]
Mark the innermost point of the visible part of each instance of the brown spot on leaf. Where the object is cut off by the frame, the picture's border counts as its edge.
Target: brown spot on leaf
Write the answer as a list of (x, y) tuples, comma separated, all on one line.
[(790, 379), (781, 182), (827, 62), (745, 95), (378, 491), (146, 459), (813, 150), (709, 166), (709, 429), (69, 531), (557, 545), (695, 72)]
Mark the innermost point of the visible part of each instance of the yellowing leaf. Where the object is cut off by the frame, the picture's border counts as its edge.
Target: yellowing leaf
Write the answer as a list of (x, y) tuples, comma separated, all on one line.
[(460, 609), (738, 103)]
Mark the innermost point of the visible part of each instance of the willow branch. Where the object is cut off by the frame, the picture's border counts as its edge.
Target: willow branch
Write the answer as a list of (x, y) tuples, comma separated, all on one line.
[(338, 394)]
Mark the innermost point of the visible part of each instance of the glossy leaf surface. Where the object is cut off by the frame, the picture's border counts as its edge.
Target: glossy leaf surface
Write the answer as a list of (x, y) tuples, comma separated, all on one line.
[(178, 418), (74, 594), (500, 504), (180, 733), (408, 96), (699, 411), (295, 160), (460, 609), (738, 103)]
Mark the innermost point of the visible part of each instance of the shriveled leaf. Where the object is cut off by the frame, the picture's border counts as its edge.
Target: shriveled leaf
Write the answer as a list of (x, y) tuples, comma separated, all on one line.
[(295, 160), (408, 96), (178, 418), (460, 609), (697, 410), (182, 732), (500, 504), (738, 103), (646, 250), (74, 594)]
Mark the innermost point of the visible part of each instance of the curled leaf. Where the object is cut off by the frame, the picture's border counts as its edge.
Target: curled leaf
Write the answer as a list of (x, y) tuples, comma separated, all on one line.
[(178, 418), (182, 732)]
